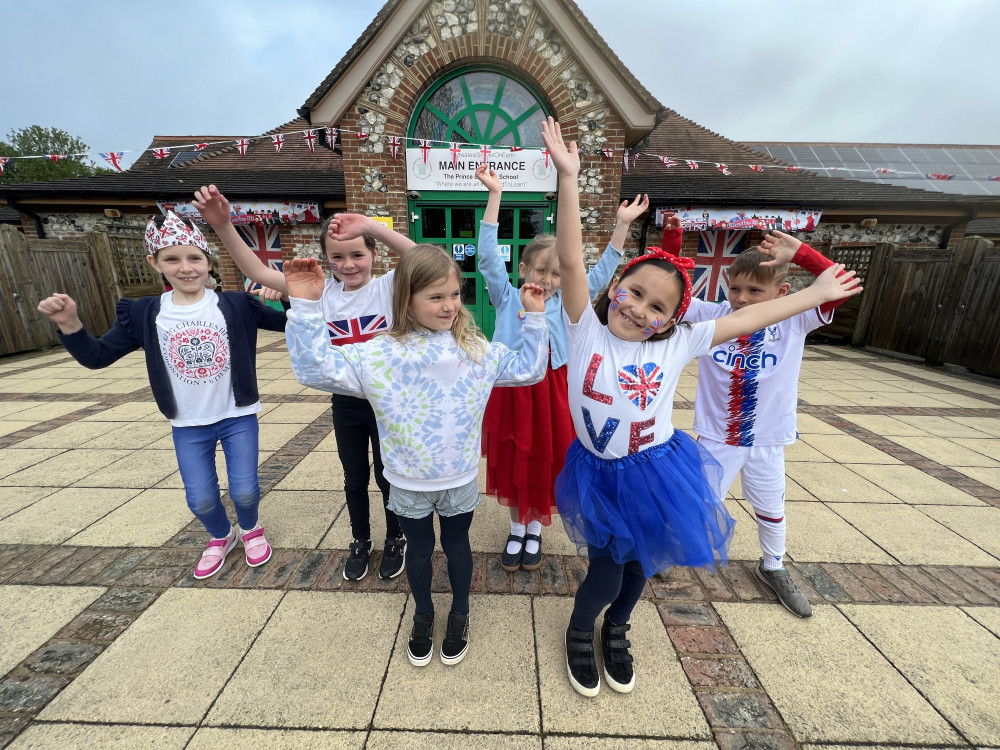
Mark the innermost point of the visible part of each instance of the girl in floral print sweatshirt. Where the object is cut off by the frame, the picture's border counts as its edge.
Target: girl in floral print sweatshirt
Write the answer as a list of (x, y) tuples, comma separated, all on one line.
[(428, 380)]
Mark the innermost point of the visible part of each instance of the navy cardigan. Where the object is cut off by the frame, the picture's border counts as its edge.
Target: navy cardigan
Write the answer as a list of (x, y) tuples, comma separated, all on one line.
[(136, 327)]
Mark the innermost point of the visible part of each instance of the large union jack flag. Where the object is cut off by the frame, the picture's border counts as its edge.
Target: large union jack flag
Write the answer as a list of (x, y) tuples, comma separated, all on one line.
[(640, 383), (265, 242), (356, 330), (716, 252)]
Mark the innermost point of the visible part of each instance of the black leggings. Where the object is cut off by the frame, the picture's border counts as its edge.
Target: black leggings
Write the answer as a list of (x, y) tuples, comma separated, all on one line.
[(419, 534), (608, 582), (354, 427)]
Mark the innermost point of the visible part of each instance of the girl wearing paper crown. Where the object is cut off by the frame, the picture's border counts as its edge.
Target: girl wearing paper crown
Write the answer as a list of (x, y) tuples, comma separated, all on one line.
[(636, 495), (200, 357)]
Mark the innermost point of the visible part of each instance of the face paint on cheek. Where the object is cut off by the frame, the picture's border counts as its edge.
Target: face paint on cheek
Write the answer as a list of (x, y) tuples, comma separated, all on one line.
[(617, 300), (647, 332), (334, 267)]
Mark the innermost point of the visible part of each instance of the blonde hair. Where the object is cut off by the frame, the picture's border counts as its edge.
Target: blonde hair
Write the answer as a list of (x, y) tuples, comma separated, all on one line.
[(418, 268), (542, 244)]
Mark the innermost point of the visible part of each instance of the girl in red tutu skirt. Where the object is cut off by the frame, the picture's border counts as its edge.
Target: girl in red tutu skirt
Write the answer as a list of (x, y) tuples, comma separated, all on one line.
[(527, 430)]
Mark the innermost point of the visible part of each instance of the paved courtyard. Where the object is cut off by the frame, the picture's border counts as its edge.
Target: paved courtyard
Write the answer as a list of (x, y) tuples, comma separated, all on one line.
[(106, 640)]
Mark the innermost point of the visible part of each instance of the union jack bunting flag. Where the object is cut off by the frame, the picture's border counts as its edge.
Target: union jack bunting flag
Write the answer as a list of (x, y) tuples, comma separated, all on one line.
[(242, 144), (516, 148), (608, 153), (331, 136), (3, 160), (113, 158), (724, 168), (939, 176), (310, 136), (200, 146), (994, 179), (265, 242), (668, 162), (278, 139), (360, 134), (161, 153), (394, 141), (640, 383), (793, 169), (690, 163), (716, 252), (356, 330), (883, 170), (756, 167), (56, 157)]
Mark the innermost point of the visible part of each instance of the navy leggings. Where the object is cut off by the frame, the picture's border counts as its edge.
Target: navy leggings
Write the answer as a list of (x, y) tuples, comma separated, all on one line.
[(608, 583), (419, 533)]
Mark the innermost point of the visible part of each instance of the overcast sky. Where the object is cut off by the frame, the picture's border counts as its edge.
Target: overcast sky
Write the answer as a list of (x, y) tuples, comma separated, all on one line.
[(116, 73)]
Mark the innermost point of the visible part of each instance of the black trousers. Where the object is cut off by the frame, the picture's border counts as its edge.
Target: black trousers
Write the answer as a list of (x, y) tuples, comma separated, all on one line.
[(419, 548), (608, 583), (355, 429)]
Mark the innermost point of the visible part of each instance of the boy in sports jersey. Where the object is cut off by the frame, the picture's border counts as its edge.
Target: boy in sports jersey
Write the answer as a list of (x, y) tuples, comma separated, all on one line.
[(748, 392)]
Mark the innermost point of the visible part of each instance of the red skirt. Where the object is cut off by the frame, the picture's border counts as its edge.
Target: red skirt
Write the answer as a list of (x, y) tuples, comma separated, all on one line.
[(526, 433)]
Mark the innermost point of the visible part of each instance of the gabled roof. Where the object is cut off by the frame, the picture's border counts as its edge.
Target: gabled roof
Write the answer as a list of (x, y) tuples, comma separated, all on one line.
[(638, 108), (680, 138)]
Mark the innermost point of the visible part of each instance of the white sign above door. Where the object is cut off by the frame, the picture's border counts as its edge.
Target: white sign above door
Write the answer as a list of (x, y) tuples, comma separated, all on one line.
[(522, 170)]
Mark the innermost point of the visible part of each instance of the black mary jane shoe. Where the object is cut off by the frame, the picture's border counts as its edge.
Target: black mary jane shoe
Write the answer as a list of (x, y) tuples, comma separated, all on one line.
[(531, 561), (511, 562)]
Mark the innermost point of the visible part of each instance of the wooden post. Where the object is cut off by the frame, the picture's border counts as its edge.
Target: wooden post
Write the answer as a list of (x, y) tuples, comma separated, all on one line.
[(869, 297), (16, 251)]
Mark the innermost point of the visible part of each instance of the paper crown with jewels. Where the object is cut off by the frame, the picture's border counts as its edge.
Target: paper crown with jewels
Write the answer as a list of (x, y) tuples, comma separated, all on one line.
[(172, 232)]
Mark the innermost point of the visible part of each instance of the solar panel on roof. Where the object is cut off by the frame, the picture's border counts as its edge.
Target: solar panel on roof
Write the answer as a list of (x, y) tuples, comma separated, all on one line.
[(184, 156)]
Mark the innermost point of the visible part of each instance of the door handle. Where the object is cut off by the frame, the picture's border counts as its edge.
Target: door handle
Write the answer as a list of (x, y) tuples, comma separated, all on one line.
[(414, 217), (17, 297)]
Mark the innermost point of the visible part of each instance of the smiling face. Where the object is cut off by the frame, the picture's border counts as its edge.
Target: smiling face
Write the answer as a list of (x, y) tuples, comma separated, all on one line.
[(351, 262), (745, 290), (643, 302), (185, 268), (544, 271), (435, 306)]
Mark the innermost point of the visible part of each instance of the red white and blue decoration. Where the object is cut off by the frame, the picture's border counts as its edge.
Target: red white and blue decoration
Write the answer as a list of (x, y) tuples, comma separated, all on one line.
[(252, 212), (356, 330), (716, 252), (639, 383), (265, 242), (243, 144), (278, 139), (161, 153), (310, 136), (393, 141), (114, 158), (702, 219)]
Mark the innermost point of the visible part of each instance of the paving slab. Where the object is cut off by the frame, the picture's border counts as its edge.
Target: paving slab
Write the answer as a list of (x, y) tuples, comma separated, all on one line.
[(131, 436), (6, 427), (61, 515), (52, 409), (801, 451), (295, 413), (989, 447), (827, 681), (612, 743), (135, 411), (320, 470), (382, 740), (848, 449), (946, 451), (913, 486), (744, 545), (817, 534), (13, 460), (33, 614), (987, 475), (988, 617), (833, 483), (171, 663), (301, 520), (981, 526), (64, 469), (106, 737), (985, 425), (661, 705), (951, 659), (498, 672), (274, 435), (72, 435), (948, 427), (911, 537), (12, 499), (150, 519), (885, 426), (807, 424), (140, 469), (280, 739), (294, 676)]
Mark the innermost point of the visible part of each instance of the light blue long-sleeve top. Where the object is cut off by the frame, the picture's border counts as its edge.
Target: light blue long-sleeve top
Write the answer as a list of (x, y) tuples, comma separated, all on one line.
[(507, 299), (428, 395)]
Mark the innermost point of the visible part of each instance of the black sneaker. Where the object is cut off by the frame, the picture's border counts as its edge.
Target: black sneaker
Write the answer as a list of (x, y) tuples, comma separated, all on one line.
[(356, 566), (393, 558), (420, 649), (580, 662), (618, 669), (456, 638)]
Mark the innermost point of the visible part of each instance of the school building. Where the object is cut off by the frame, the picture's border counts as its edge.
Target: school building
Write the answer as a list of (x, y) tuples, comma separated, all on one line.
[(430, 89)]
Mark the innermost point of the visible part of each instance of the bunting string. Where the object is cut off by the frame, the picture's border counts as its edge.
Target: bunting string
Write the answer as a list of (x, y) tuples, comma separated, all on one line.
[(630, 158)]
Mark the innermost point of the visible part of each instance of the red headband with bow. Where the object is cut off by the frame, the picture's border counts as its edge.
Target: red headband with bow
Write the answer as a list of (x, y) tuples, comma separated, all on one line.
[(683, 265)]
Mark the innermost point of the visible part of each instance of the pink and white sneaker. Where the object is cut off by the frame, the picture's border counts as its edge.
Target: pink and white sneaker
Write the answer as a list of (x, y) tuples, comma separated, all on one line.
[(256, 546), (214, 556)]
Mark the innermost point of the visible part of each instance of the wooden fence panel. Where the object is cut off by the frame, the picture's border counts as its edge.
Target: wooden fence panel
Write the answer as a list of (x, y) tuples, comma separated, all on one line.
[(974, 339), (21, 326)]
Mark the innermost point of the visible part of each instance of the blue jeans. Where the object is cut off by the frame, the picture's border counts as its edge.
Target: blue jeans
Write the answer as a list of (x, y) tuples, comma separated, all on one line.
[(195, 448)]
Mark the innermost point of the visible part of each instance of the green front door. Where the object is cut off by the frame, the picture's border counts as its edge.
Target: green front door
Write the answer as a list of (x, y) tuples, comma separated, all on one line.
[(456, 228)]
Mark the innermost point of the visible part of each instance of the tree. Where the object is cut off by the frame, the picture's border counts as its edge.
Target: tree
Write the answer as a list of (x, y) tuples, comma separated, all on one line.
[(36, 140)]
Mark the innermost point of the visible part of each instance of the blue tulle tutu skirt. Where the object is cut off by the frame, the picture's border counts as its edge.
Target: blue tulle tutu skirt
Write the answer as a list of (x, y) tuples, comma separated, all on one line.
[(660, 506)]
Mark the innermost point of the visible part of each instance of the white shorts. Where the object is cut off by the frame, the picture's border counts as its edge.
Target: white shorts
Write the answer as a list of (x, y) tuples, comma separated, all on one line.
[(763, 473)]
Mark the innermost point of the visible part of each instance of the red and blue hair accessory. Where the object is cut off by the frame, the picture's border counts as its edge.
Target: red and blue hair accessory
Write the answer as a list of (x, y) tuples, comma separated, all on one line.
[(683, 265), (173, 232)]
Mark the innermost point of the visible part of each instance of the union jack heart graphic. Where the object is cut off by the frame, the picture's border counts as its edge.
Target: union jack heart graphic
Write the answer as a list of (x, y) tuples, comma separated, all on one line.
[(640, 383)]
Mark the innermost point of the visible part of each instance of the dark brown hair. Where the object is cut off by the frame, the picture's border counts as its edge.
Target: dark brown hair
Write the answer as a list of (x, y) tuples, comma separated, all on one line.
[(370, 242), (748, 263), (603, 301)]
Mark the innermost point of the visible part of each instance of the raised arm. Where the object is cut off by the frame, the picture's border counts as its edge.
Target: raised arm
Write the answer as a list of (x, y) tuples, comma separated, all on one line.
[(488, 263), (492, 183), (783, 248), (214, 208), (92, 353), (527, 365), (569, 233), (627, 213), (352, 226), (833, 284)]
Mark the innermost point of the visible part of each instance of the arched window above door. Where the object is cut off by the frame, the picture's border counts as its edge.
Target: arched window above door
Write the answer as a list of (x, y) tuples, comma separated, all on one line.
[(480, 106)]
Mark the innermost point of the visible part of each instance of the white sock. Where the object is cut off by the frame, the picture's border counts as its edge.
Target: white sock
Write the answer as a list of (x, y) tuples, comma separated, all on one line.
[(772, 562), (530, 545), (215, 539), (516, 529)]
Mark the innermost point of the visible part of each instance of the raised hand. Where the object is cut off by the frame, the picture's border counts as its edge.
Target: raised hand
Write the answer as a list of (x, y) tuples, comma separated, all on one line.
[(61, 310), (629, 212), (671, 221), (349, 226), (489, 178), (780, 246), (212, 205), (532, 298), (304, 278), (836, 283), (267, 294), (565, 158)]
